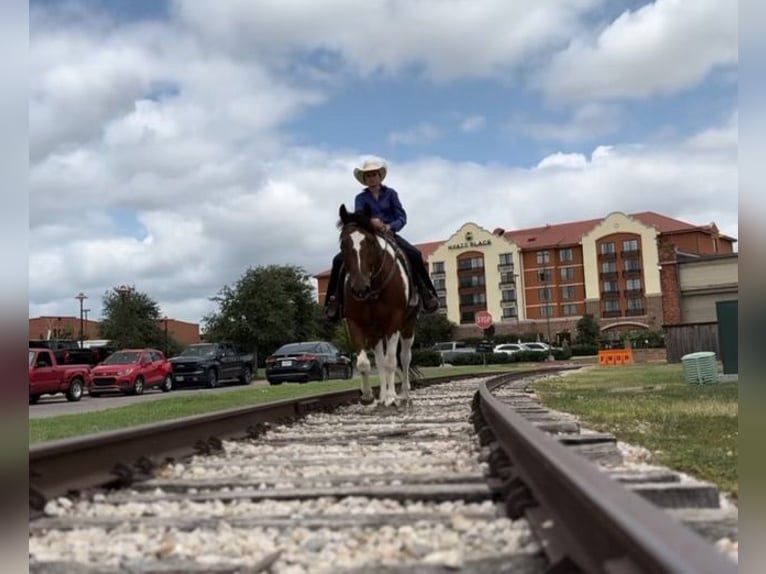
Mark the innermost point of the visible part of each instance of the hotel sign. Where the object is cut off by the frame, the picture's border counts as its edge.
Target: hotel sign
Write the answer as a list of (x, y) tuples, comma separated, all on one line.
[(469, 242)]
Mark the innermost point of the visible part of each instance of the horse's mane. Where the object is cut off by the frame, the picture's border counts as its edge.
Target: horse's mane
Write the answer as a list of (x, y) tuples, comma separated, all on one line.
[(360, 219)]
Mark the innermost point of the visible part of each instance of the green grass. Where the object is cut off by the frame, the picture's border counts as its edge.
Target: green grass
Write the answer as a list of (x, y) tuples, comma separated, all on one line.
[(690, 428), (64, 426)]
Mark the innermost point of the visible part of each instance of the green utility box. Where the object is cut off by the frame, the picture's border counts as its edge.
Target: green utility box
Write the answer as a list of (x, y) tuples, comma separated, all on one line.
[(728, 344)]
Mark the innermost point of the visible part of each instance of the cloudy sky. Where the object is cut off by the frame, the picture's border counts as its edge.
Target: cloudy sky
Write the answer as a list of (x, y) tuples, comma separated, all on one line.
[(173, 144)]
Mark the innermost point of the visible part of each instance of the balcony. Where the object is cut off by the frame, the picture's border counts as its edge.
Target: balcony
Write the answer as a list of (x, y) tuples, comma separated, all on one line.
[(609, 256), (441, 292), (610, 294), (634, 254), (634, 292), (609, 275), (611, 314), (632, 273), (438, 274), (506, 283), (635, 312), (505, 267), (509, 303)]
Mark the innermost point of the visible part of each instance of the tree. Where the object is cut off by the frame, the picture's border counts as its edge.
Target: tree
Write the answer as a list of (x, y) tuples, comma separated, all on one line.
[(588, 332), (266, 307), (131, 319), (432, 329)]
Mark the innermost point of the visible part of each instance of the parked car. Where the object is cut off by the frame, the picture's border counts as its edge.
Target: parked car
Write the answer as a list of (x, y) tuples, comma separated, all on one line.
[(302, 362), (449, 349), (48, 377), (131, 371), (67, 352), (508, 348), (210, 363)]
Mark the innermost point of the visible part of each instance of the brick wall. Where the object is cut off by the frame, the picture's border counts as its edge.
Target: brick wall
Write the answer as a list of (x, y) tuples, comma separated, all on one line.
[(670, 285)]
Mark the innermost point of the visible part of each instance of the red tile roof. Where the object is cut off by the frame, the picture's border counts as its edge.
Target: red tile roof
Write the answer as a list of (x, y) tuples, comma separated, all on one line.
[(571, 233)]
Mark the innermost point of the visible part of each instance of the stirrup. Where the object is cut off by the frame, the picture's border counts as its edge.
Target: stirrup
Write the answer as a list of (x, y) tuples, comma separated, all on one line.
[(332, 309)]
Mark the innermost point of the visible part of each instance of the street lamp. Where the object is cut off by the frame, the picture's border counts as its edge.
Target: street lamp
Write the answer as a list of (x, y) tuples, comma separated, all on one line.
[(81, 297)]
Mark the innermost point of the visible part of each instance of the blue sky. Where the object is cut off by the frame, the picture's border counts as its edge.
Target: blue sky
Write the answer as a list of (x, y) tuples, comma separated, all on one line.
[(174, 144)]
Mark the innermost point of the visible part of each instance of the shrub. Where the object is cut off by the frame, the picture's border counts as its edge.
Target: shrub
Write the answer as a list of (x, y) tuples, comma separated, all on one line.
[(426, 358), (584, 350)]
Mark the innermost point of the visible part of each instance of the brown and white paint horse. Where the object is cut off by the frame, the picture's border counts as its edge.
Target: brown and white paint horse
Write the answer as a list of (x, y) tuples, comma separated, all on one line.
[(376, 293)]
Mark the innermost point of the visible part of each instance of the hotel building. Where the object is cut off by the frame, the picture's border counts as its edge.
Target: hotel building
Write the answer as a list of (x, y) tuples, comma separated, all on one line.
[(529, 278)]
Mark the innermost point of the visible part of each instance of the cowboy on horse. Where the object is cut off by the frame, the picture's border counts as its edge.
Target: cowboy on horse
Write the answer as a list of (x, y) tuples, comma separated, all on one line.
[(388, 217)]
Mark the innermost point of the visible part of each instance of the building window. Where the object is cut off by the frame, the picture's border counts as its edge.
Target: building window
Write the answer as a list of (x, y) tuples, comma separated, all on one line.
[(609, 267), (506, 259), (611, 306), (471, 281), (544, 275), (467, 317), (470, 263), (610, 287), (508, 295), (509, 312), (507, 277), (635, 304), (565, 255), (630, 245), (567, 273), (607, 247), (569, 309), (633, 284), (440, 284), (473, 299), (437, 267), (546, 311), (568, 292), (545, 293), (543, 257), (632, 265)]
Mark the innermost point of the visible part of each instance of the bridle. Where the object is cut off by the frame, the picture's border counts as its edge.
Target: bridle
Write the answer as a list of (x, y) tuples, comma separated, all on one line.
[(374, 292)]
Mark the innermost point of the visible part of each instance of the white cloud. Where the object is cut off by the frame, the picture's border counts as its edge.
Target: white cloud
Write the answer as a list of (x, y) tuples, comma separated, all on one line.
[(661, 48), (590, 121), (420, 134), (473, 123), (388, 37)]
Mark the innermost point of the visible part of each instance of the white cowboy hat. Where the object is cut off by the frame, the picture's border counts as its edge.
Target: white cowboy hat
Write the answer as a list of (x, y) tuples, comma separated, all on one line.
[(370, 165)]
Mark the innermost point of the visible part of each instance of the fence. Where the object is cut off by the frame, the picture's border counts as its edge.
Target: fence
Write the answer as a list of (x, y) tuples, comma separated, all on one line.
[(690, 338)]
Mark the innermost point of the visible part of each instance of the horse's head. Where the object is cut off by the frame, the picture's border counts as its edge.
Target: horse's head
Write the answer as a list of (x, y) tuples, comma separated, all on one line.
[(362, 254)]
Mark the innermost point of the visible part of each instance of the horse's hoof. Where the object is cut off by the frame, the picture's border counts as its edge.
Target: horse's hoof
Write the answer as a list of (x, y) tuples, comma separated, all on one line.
[(367, 400)]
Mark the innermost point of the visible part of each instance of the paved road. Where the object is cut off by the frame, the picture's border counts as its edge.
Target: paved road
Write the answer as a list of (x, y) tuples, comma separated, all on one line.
[(53, 406)]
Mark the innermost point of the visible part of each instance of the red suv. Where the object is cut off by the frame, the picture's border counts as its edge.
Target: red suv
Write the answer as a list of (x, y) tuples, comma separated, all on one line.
[(130, 371)]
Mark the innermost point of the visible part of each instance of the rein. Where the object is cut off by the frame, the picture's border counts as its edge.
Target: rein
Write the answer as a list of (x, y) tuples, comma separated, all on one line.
[(375, 292)]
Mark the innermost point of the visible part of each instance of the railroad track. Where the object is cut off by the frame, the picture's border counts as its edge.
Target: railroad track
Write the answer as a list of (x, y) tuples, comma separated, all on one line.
[(433, 487)]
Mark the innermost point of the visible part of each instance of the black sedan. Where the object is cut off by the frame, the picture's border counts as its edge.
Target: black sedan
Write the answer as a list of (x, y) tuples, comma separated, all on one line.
[(303, 362)]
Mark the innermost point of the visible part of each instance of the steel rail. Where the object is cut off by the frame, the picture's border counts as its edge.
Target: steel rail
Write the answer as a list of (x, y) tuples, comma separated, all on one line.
[(602, 526), (117, 458)]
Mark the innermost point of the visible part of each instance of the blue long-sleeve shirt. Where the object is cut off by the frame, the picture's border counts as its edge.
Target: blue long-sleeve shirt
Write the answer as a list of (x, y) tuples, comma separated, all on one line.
[(387, 207)]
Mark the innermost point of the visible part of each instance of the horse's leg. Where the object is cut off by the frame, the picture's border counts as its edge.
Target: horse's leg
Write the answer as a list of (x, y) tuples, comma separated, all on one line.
[(390, 368), (380, 362), (406, 357), (364, 368)]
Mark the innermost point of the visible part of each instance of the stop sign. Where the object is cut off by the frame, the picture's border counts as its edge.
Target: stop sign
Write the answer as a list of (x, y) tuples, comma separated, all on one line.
[(483, 319)]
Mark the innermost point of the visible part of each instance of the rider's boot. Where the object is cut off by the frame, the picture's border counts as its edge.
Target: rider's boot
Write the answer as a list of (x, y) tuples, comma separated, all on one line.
[(430, 300)]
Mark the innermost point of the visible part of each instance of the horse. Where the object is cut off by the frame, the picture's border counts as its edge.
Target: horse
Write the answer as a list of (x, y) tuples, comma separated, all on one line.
[(376, 292)]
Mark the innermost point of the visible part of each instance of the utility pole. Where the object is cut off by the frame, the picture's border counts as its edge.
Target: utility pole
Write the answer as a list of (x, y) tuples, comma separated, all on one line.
[(544, 279), (123, 291), (81, 297)]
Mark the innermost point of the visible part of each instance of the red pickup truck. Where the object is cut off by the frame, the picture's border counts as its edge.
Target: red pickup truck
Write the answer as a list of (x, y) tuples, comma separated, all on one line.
[(48, 377)]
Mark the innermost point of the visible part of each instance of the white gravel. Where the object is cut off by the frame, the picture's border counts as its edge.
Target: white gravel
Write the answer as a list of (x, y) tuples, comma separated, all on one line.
[(438, 449)]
